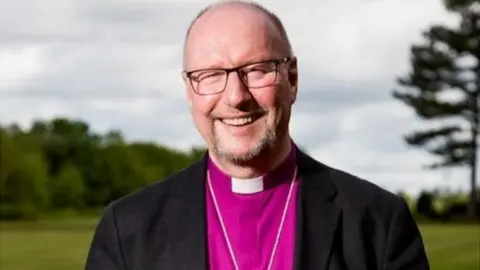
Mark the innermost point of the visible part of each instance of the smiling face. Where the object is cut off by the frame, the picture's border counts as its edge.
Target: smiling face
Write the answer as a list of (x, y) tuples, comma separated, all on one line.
[(241, 123)]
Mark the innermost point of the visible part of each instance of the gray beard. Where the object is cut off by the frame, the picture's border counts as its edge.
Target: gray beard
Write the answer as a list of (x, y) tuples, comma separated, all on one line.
[(268, 141)]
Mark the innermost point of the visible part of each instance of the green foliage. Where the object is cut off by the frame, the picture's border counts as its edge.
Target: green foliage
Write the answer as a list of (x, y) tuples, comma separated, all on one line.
[(67, 188), (62, 164), (443, 87), (23, 178), (440, 205)]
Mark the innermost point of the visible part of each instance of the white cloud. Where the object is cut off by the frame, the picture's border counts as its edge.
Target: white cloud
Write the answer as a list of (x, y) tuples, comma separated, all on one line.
[(24, 110), (18, 64)]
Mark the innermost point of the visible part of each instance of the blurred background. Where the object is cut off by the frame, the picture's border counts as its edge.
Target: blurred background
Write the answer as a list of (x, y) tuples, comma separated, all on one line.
[(92, 107)]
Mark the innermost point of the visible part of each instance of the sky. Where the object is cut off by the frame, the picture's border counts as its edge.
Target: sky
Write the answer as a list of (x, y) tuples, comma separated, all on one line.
[(116, 65)]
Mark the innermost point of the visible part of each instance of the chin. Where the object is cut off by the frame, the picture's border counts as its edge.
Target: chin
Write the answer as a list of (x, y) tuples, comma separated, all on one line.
[(240, 150)]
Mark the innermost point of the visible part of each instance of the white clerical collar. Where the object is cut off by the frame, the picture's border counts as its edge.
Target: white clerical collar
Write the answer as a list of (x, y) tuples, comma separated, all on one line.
[(247, 186)]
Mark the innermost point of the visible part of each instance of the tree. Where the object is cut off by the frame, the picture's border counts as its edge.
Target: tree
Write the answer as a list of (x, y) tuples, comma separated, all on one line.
[(67, 188), (23, 179), (447, 65)]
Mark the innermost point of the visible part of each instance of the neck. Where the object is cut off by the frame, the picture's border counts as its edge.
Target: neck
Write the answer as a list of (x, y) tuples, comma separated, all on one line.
[(258, 166)]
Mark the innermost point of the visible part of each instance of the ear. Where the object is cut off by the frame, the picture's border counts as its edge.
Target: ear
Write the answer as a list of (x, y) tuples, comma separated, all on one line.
[(186, 84), (293, 78), (184, 77), (189, 97)]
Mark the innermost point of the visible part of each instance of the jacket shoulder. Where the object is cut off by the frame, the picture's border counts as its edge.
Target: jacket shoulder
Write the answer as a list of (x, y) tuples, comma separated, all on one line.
[(149, 200), (351, 193), (350, 190)]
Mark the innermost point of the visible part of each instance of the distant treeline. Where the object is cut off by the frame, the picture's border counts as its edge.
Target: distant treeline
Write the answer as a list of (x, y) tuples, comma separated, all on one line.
[(435, 205), (62, 164)]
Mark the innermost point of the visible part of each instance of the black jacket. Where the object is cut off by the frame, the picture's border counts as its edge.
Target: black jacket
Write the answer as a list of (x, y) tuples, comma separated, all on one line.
[(344, 222)]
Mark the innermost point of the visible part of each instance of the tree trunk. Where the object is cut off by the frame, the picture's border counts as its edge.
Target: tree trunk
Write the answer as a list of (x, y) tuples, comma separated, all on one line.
[(472, 205), (472, 211)]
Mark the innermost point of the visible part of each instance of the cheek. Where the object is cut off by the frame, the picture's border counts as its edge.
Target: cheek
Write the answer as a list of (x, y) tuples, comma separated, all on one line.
[(202, 105), (266, 98), (202, 108), (281, 103), (275, 99)]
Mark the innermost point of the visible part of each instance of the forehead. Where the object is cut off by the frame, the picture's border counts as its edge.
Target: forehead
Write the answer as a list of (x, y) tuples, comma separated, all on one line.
[(231, 36)]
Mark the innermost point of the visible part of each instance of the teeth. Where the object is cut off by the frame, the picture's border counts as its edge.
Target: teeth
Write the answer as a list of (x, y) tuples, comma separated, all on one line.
[(238, 121)]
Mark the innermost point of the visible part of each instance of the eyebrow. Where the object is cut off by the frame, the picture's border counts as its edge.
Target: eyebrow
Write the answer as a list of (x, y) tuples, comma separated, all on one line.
[(246, 63)]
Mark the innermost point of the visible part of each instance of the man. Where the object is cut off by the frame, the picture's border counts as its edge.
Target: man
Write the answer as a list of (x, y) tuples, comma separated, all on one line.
[(254, 201)]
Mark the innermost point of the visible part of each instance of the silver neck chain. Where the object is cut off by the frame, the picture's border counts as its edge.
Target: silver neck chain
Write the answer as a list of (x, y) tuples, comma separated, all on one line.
[(280, 227)]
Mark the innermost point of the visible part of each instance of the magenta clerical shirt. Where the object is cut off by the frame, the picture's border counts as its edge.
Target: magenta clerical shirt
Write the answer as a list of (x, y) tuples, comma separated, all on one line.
[(252, 220)]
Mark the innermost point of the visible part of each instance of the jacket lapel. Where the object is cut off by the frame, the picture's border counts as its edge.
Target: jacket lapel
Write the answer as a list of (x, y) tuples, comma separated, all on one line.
[(187, 222), (317, 215)]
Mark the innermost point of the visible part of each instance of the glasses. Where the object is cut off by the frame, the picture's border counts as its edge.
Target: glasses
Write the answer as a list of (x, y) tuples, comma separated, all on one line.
[(254, 75)]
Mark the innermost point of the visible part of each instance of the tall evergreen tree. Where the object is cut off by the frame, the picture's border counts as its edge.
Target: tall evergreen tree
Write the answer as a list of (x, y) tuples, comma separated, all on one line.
[(444, 84)]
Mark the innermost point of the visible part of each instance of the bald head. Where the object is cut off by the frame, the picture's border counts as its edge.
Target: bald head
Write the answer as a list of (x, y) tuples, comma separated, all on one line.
[(228, 15)]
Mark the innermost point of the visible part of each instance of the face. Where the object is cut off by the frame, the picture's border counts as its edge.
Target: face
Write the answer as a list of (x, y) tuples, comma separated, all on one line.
[(241, 122)]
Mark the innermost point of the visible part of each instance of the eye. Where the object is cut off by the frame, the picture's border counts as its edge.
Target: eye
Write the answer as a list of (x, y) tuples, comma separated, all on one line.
[(259, 70), (206, 75)]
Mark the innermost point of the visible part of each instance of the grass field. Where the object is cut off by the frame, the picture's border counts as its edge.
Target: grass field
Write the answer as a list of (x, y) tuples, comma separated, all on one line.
[(62, 245)]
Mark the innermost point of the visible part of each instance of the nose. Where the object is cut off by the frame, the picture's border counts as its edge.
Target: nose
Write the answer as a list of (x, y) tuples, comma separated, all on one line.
[(236, 94)]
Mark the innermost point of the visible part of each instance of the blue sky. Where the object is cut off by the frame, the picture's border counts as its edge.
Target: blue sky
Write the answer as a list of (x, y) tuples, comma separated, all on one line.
[(116, 64)]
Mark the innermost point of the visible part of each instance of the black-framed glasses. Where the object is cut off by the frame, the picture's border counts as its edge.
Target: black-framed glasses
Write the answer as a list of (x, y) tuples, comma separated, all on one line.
[(253, 75)]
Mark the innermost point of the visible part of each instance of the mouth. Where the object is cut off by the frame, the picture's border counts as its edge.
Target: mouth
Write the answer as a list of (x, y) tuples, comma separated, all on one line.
[(241, 121)]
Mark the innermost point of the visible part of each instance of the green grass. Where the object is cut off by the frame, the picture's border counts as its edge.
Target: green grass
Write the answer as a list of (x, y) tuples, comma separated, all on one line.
[(51, 245), (452, 247), (56, 245)]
